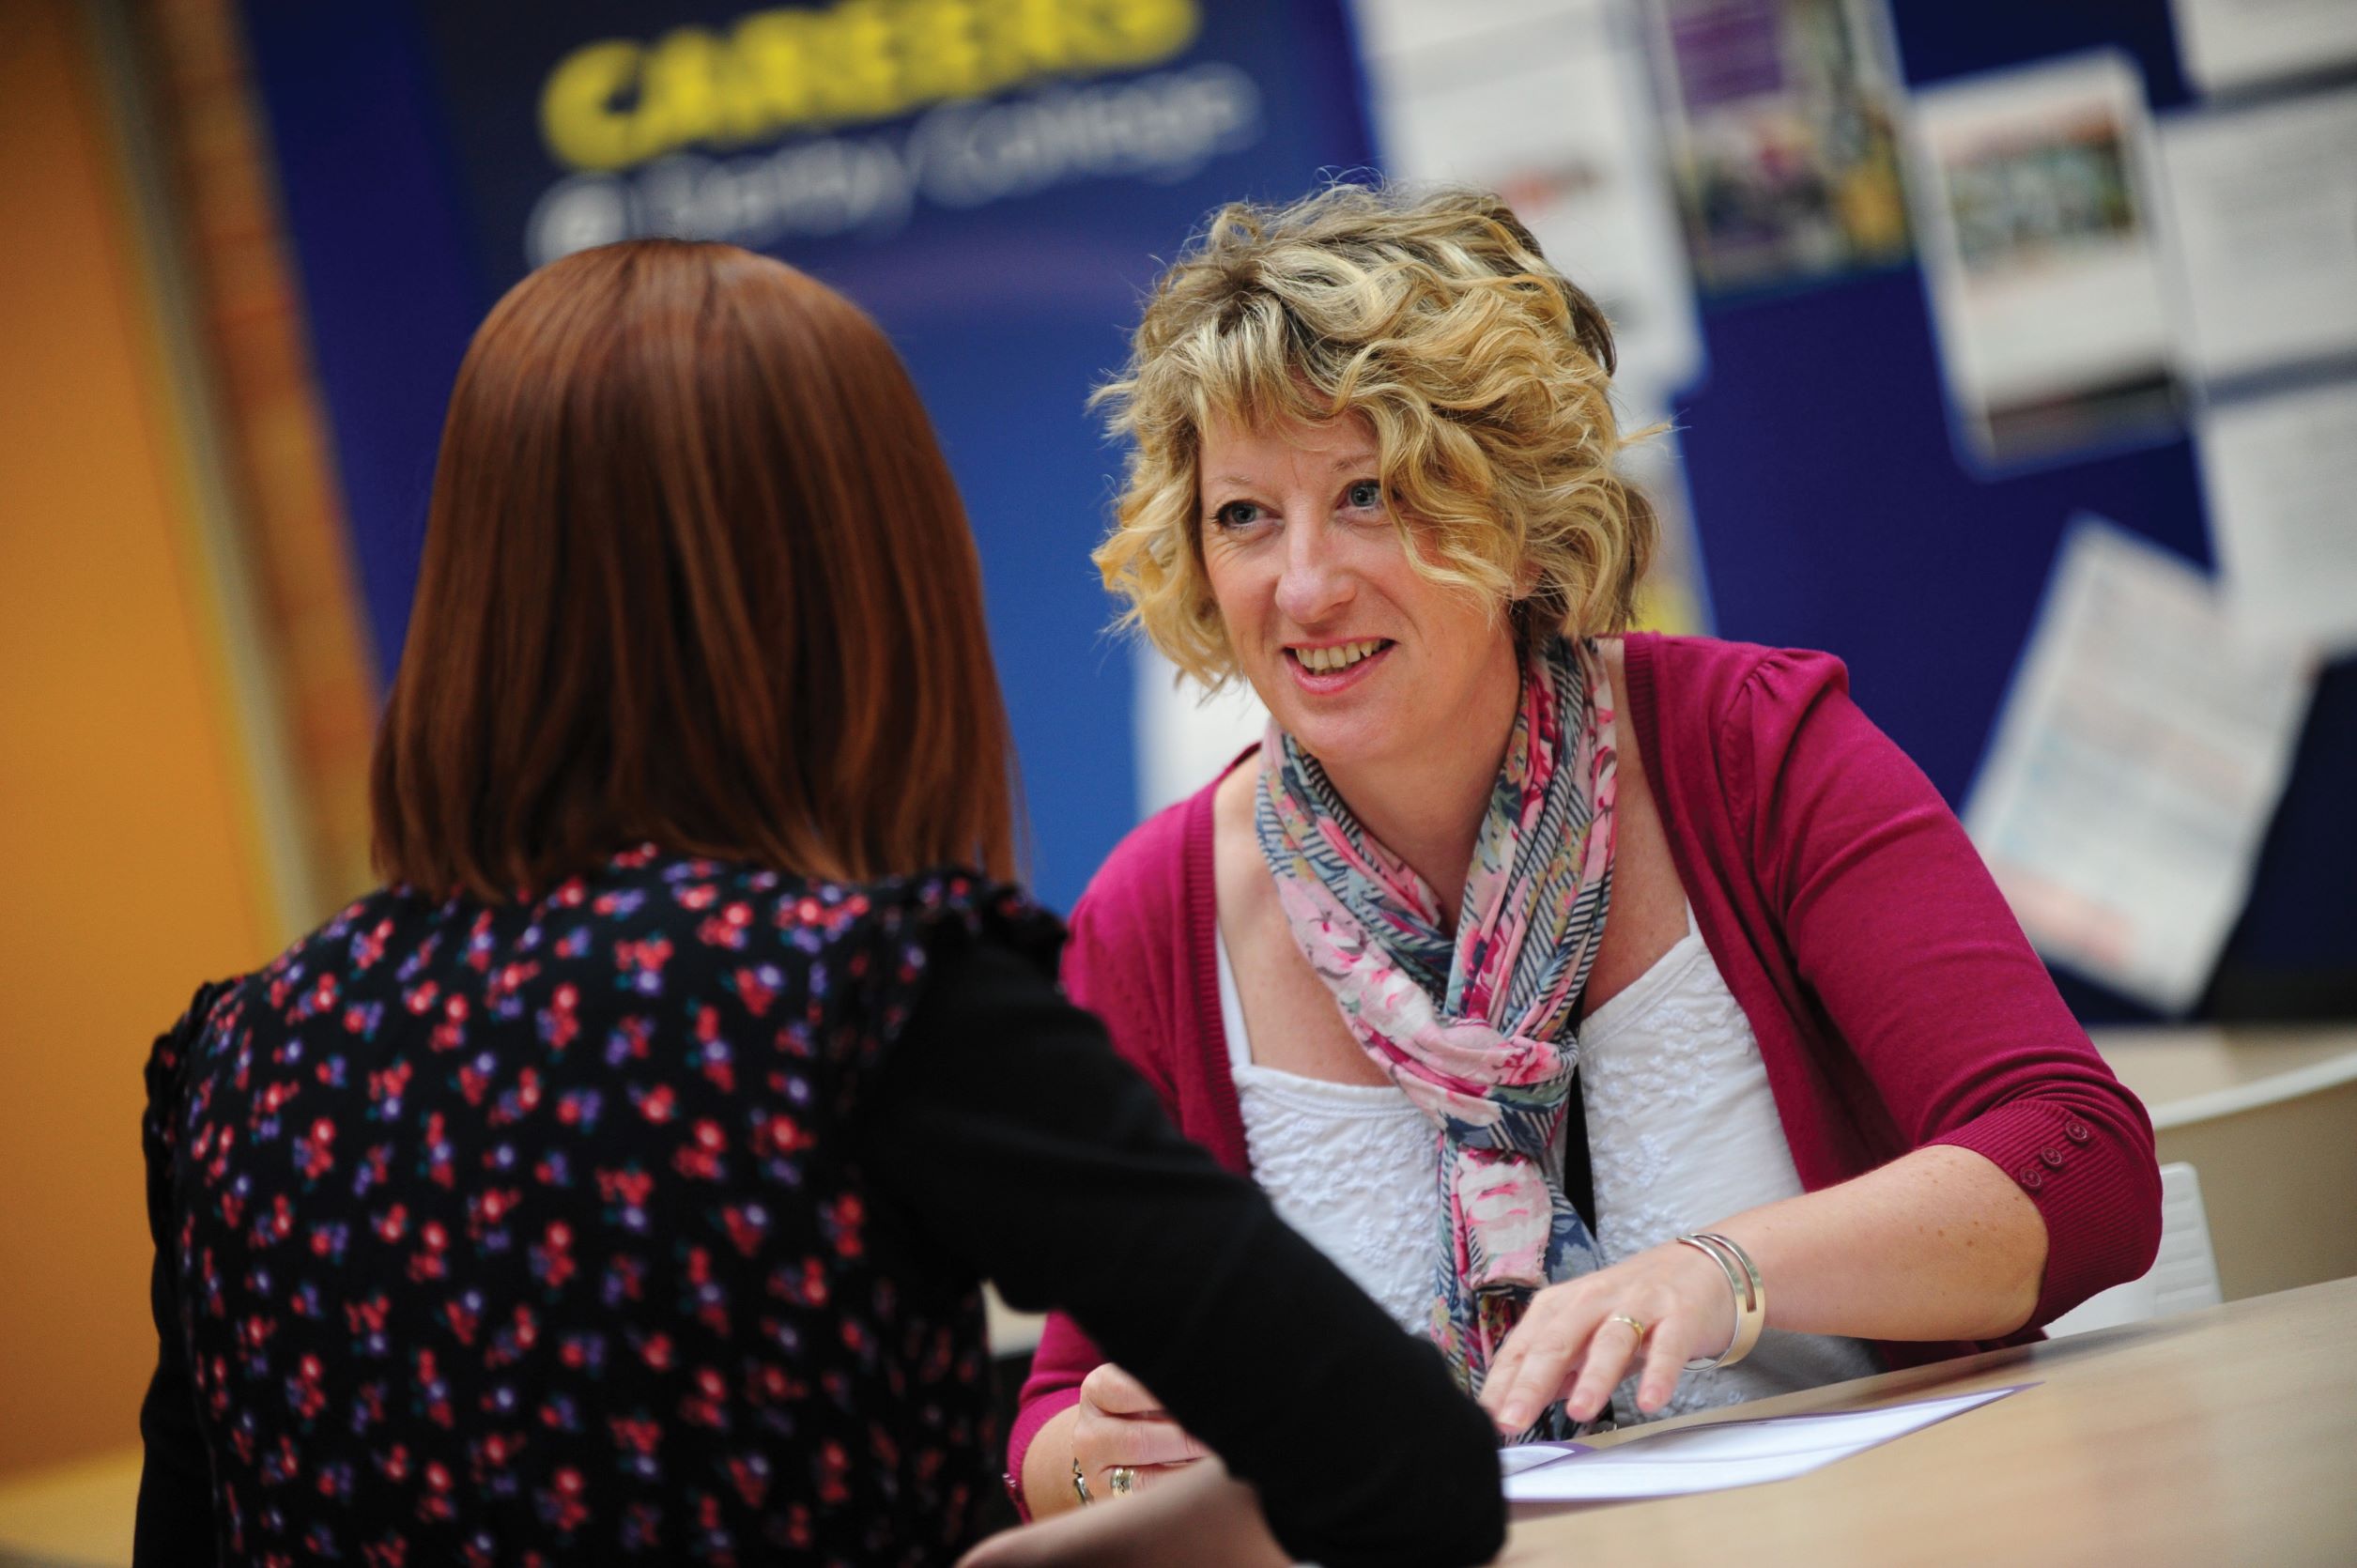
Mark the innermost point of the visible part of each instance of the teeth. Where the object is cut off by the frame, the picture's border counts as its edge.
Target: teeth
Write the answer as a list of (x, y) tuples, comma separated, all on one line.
[(1325, 661)]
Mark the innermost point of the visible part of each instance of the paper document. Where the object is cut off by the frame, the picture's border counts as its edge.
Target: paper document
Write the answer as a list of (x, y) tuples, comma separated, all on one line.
[(1547, 102), (2280, 474), (2136, 763), (2038, 239), (2232, 45), (2263, 204), (1713, 1458)]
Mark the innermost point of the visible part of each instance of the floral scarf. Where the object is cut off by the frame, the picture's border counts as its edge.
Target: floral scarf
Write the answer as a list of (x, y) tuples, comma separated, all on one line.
[(1476, 1030)]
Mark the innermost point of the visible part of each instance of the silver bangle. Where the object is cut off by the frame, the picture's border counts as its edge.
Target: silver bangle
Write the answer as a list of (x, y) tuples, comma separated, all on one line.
[(1750, 1297)]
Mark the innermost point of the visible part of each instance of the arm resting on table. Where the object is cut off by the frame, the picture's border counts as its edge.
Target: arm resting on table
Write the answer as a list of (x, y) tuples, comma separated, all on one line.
[(1031, 1153)]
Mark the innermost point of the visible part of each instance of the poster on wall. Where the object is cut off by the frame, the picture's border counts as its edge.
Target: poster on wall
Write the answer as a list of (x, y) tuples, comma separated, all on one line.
[(2279, 473), (992, 181), (2233, 45), (2036, 215), (2138, 758), (1548, 103), (2262, 208), (1784, 131)]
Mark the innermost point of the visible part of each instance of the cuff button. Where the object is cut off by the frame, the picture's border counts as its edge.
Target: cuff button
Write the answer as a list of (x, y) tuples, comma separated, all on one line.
[(2032, 1177), (2052, 1158)]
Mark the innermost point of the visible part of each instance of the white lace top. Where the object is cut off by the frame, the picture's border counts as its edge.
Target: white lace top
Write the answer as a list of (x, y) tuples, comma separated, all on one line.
[(1682, 1132), (1351, 1166)]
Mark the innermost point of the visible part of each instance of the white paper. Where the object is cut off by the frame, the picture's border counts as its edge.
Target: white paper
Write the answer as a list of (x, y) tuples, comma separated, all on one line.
[(2262, 206), (2035, 219), (1548, 103), (2230, 44), (2139, 755), (2279, 474), (1713, 1458)]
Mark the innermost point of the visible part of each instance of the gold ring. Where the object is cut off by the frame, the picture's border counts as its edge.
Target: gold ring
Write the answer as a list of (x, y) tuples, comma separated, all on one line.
[(1080, 1484), (1636, 1325), (1120, 1481)]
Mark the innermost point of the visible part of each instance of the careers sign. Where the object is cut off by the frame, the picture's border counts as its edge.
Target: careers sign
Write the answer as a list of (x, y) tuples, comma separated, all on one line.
[(754, 131)]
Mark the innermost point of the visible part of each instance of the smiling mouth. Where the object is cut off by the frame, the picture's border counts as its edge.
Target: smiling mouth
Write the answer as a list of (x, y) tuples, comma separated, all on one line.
[(1340, 656)]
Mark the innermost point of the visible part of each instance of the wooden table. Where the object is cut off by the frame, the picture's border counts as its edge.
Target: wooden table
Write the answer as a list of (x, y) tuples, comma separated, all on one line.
[(2227, 1437)]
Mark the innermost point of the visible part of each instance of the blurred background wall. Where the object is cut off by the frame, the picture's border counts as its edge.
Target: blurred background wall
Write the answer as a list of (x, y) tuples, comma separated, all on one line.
[(242, 246), (135, 854)]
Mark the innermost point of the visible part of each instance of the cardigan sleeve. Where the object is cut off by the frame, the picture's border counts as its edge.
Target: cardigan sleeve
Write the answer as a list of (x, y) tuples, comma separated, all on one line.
[(1095, 976), (1897, 928)]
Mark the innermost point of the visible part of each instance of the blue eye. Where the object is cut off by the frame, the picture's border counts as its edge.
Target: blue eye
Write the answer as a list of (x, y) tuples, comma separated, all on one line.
[(1237, 514), (1365, 494)]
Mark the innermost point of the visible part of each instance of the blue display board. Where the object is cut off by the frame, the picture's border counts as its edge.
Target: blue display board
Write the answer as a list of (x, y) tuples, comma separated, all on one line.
[(431, 153), (1836, 513), (421, 177)]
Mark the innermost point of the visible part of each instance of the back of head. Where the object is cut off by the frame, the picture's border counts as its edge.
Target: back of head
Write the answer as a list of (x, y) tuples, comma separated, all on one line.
[(695, 573)]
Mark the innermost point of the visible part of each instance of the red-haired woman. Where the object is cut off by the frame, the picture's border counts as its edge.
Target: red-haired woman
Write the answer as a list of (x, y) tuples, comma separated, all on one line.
[(617, 1182)]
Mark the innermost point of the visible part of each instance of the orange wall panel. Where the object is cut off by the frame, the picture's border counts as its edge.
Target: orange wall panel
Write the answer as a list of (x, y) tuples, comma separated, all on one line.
[(132, 870)]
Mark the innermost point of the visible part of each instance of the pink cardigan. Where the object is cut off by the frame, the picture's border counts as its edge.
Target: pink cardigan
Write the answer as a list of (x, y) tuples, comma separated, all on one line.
[(1895, 1000)]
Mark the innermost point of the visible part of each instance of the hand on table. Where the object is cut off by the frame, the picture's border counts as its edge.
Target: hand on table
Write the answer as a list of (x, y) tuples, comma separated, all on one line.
[(1574, 1342), (1120, 1422), (1201, 1518)]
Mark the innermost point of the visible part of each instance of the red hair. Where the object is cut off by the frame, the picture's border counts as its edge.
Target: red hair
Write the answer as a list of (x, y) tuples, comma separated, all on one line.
[(695, 573)]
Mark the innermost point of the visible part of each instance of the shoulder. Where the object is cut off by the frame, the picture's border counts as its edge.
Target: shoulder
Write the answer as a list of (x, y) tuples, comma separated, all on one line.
[(168, 1058), (1689, 691), (1143, 885), (306, 975)]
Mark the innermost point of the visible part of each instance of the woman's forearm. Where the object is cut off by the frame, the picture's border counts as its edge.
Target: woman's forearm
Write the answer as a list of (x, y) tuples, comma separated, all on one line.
[(1047, 1466), (1937, 1245)]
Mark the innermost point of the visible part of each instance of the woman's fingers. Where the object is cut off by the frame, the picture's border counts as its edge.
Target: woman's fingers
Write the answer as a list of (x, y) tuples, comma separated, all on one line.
[(1538, 1360), (1199, 1515), (1612, 1345), (1580, 1339), (1121, 1427), (1145, 1477), (1115, 1440), (1112, 1390), (1667, 1349)]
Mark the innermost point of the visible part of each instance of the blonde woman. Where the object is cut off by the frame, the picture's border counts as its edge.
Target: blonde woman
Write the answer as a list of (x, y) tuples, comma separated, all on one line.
[(1624, 1012)]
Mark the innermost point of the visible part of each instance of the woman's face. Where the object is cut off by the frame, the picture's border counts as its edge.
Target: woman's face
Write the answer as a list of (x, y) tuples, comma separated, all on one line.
[(1359, 658)]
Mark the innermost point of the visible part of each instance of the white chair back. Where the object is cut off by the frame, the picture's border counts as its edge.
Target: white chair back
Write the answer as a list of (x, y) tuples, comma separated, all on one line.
[(2183, 1277)]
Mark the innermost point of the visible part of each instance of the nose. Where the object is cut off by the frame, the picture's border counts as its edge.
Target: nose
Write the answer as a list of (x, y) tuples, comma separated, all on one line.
[(1316, 581)]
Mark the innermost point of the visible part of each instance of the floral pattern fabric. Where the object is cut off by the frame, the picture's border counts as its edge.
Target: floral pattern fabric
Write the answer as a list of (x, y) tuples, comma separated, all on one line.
[(1475, 1026), (535, 1233)]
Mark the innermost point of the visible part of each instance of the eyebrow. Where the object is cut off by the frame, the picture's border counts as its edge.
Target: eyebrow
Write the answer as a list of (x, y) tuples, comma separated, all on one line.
[(1348, 460)]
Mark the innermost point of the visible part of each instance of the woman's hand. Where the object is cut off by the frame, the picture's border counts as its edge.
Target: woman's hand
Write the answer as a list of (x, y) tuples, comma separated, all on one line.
[(1575, 1342), (1201, 1517), (1120, 1422)]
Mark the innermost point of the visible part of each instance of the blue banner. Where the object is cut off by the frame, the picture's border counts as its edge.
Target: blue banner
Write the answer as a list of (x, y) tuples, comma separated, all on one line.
[(993, 179)]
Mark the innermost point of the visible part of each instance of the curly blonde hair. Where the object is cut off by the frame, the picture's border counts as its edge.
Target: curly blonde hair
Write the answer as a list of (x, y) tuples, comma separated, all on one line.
[(1484, 373)]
